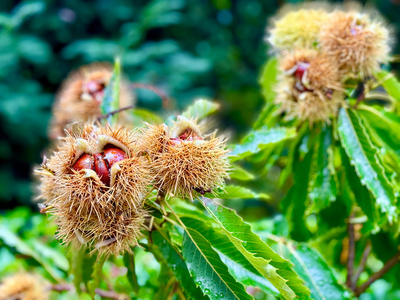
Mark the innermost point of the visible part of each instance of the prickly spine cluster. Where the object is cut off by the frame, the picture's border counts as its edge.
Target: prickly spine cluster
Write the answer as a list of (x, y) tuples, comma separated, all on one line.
[(319, 48)]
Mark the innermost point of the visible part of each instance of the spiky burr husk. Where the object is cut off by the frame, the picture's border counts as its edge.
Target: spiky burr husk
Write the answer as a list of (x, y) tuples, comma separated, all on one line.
[(358, 43), (309, 86), (79, 101), (184, 160), (296, 28), (23, 286), (106, 218), (320, 69), (309, 105)]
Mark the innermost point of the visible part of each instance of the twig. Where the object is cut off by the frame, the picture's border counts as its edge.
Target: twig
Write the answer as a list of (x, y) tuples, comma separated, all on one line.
[(161, 200), (103, 293), (360, 90), (109, 294), (162, 95), (114, 112), (351, 254), (171, 221), (388, 265), (60, 287), (133, 276), (361, 267)]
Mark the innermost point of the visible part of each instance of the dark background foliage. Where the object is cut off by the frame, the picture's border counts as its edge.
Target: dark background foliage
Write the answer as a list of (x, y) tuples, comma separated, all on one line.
[(188, 48)]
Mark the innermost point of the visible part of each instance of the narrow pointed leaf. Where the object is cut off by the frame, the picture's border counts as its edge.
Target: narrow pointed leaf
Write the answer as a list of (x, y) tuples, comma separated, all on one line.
[(316, 273), (129, 261), (111, 94), (363, 155), (240, 174), (385, 127), (269, 79), (200, 109), (363, 197), (259, 139), (247, 277), (209, 272), (236, 192), (258, 253), (295, 203), (322, 182), (389, 83), (178, 266), (238, 265), (82, 267), (96, 275)]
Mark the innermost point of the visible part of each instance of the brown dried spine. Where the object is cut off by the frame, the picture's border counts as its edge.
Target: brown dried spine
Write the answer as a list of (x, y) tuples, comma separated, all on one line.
[(183, 160), (310, 86), (97, 202), (81, 95)]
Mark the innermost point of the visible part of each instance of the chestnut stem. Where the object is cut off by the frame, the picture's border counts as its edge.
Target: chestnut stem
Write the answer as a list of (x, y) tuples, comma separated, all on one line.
[(351, 254), (361, 267), (115, 112), (108, 294), (162, 95), (65, 287), (388, 265)]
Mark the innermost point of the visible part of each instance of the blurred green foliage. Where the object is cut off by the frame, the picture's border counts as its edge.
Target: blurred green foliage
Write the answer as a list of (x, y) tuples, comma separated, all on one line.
[(188, 48)]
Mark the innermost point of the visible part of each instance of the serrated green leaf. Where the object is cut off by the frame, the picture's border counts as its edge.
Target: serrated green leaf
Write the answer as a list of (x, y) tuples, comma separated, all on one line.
[(387, 156), (185, 209), (129, 262), (295, 203), (82, 267), (386, 124), (363, 156), (259, 254), (384, 128), (259, 139), (269, 79), (178, 266), (238, 265), (293, 153), (389, 83), (236, 192), (96, 275), (207, 269), (322, 188), (316, 273), (247, 277), (110, 100), (200, 109), (239, 173), (362, 196)]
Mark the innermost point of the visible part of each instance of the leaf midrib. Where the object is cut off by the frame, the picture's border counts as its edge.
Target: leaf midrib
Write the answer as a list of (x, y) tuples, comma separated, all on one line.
[(302, 264), (204, 256)]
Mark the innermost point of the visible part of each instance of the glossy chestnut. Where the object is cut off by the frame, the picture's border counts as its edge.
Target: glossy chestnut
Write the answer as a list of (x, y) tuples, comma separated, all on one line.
[(101, 163)]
